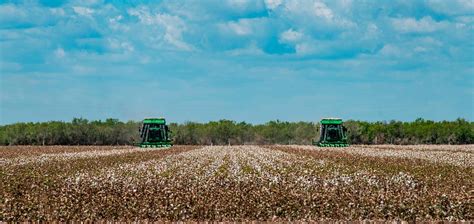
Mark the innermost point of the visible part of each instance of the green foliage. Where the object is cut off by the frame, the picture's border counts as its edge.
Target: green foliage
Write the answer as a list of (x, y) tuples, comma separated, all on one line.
[(77, 132), (224, 132)]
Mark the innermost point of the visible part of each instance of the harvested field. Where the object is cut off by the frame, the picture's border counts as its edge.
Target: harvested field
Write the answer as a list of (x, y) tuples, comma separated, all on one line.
[(237, 183)]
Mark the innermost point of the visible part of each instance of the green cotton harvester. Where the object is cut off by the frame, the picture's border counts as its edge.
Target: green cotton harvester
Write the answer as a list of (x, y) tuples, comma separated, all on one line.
[(332, 133), (154, 133)]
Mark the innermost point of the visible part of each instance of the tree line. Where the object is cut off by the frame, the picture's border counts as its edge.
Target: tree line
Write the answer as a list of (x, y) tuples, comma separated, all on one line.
[(81, 131)]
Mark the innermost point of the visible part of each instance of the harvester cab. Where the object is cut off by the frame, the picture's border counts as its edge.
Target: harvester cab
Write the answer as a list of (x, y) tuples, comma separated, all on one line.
[(154, 133), (332, 133)]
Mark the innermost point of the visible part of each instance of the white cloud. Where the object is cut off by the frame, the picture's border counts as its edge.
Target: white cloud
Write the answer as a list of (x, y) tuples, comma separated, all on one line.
[(309, 8), (241, 27), (390, 50), (272, 4), (143, 15), (372, 31), (410, 48), (346, 4), (59, 53), (420, 49), (12, 15), (250, 50), (411, 25), (429, 41), (120, 45), (253, 27), (58, 11), (305, 48), (321, 10), (314, 17), (173, 26), (9, 10), (242, 35), (311, 27), (452, 7), (290, 36), (116, 24), (81, 69), (83, 11), (239, 3)]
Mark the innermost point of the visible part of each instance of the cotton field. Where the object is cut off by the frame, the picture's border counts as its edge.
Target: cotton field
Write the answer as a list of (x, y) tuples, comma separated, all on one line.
[(237, 183)]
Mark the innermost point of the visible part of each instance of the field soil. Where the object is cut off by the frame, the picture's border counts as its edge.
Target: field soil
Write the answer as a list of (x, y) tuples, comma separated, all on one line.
[(237, 183)]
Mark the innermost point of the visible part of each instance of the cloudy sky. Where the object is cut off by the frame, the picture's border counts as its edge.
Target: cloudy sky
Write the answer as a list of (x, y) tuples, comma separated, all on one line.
[(246, 60)]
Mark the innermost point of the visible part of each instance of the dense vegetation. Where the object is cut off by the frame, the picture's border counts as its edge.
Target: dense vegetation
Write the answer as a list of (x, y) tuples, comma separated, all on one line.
[(114, 132)]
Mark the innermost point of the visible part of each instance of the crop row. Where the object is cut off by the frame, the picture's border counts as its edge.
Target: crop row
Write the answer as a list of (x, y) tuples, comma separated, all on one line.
[(228, 183), (459, 155), (31, 151), (93, 153)]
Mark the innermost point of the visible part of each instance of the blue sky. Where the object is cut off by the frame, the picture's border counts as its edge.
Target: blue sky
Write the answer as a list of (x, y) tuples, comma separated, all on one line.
[(245, 60)]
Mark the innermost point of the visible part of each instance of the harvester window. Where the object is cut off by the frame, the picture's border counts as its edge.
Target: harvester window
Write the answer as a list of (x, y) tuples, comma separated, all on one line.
[(333, 132)]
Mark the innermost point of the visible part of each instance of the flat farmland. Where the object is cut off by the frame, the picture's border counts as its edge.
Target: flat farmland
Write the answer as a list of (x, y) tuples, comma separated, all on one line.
[(237, 183)]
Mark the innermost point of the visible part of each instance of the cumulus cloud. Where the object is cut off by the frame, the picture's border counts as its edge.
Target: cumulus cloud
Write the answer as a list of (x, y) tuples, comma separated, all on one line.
[(173, 26), (241, 27), (59, 53), (14, 16), (314, 17), (201, 41), (118, 45), (411, 25), (310, 9), (83, 11), (452, 7), (250, 50), (291, 36), (272, 4), (246, 27), (301, 27)]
